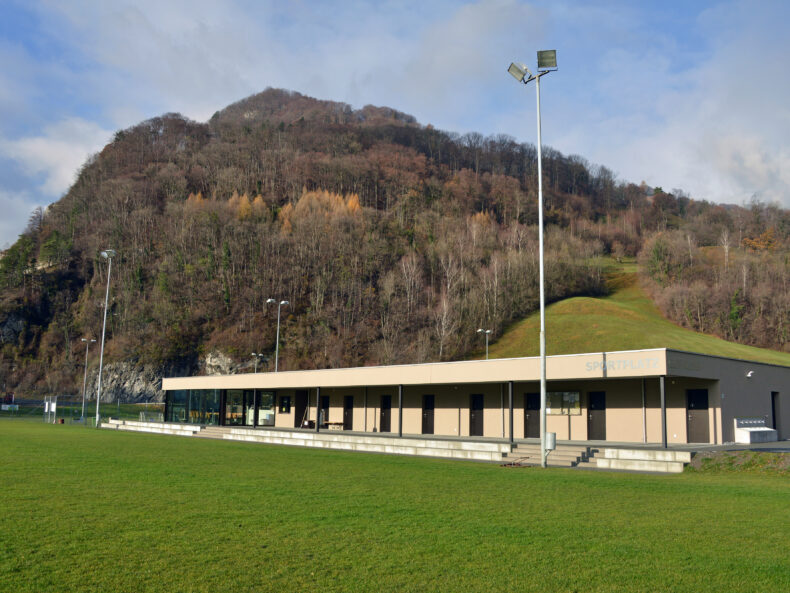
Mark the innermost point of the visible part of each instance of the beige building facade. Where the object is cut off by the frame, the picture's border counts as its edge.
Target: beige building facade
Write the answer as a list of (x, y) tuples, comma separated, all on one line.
[(656, 396)]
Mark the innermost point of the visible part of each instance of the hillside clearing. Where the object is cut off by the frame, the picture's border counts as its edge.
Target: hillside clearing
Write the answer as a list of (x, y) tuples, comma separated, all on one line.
[(625, 320)]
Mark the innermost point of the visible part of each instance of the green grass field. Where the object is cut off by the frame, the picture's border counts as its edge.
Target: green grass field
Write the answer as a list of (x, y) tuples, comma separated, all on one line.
[(88, 510), (625, 320)]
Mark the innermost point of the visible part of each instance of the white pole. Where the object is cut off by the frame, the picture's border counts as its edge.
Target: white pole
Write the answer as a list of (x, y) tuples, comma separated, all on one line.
[(103, 328), (542, 293), (486, 345), (277, 344)]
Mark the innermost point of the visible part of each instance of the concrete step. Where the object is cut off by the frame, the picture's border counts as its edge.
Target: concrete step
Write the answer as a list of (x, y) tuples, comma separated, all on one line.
[(175, 430), (641, 465), (403, 447), (536, 461), (645, 460), (498, 448), (559, 453), (562, 456), (647, 454)]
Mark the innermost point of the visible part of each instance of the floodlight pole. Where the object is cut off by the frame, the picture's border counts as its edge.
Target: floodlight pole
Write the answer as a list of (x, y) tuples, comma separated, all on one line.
[(547, 61), (542, 289), (257, 357), (108, 255), (487, 333), (277, 344), (85, 376)]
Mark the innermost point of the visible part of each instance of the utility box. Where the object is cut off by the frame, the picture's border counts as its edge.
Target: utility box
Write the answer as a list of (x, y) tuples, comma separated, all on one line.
[(551, 441)]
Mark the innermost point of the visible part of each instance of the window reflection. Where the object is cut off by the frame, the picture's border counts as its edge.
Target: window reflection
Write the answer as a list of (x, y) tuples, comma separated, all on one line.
[(266, 408)]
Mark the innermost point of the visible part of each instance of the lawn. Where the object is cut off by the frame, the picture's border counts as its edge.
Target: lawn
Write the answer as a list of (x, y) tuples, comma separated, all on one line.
[(89, 510), (625, 320)]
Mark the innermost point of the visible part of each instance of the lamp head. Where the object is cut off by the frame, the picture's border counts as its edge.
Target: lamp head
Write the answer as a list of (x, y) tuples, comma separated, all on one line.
[(270, 301), (283, 302), (519, 71), (108, 253), (547, 60)]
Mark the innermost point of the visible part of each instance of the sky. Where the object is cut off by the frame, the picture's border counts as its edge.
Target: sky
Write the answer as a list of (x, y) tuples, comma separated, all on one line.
[(689, 96)]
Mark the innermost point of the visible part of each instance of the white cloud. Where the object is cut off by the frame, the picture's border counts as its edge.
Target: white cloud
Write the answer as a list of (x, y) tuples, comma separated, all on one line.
[(16, 209), (714, 124), (58, 153)]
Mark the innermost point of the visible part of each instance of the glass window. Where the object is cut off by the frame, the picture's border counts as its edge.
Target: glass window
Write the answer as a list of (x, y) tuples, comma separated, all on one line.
[(234, 407), (563, 403), (177, 405), (204, 406), (265, 408)]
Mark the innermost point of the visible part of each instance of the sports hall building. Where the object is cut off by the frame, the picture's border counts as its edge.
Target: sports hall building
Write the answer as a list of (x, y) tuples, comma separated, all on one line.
[(657, 396)]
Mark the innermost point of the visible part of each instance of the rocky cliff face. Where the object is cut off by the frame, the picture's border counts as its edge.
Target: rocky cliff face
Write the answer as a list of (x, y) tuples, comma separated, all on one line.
[(10, 328), (137, 384)]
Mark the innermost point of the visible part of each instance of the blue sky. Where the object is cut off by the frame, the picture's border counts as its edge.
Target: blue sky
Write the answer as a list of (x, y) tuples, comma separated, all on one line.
[(688, 95)]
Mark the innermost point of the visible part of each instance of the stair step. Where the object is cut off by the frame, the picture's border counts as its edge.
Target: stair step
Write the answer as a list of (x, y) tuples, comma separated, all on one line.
[(642, 465)]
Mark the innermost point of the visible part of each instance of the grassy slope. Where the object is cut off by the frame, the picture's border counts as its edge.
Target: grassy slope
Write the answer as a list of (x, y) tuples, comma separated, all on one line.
[(88, 510), (625, 320)]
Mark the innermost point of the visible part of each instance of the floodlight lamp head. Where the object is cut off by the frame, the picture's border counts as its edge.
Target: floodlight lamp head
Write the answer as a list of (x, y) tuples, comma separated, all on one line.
[(547, 60), (270, 301), (108, 253), (284, 302), (519, 71)]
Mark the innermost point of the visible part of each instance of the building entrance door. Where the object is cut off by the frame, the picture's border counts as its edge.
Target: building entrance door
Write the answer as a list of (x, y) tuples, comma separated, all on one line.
[(324, 411), (427, 414), (596, 416), (476, 415), (385, 414), (234, 407), (697, 416), (300, 406), (532, 415), (348, 412)]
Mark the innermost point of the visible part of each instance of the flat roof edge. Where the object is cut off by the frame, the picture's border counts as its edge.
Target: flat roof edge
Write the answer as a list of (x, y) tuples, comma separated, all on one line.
[(729, 358), (427, 366)]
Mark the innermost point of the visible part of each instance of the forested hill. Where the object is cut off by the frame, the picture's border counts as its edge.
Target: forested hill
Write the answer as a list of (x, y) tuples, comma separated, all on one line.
[(392, 241)]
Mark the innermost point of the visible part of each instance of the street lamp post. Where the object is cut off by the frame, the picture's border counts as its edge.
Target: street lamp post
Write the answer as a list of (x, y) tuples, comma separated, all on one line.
[(487, 332), (277, 344), (107, 254), (547, 62), (257, 358), (85, 376)]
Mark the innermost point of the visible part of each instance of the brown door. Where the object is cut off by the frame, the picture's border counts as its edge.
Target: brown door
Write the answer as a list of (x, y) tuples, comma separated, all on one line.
[(348, 412), (476, 415), (697, 414), (532, 416), (596, 416), (385, 414), (300, 406), (427, 414)]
